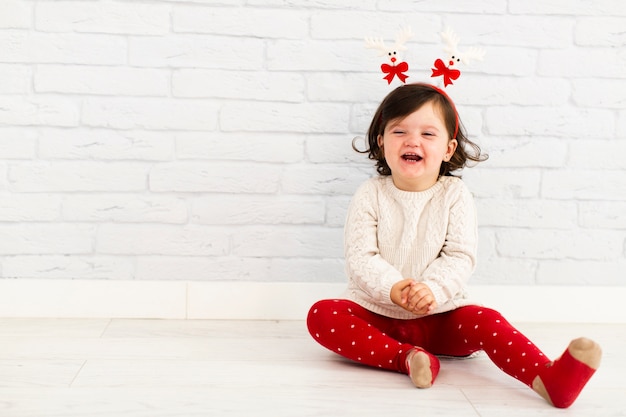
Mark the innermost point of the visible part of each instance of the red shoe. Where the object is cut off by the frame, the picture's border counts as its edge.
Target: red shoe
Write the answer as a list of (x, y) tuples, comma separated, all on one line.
[(561, 383), (423, 367)]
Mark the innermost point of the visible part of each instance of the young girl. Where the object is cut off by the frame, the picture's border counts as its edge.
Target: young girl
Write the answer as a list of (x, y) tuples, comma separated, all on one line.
[(410, 246)]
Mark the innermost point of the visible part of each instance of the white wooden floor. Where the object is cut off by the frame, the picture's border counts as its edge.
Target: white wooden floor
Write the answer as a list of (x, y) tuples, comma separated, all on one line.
[(152, 368)]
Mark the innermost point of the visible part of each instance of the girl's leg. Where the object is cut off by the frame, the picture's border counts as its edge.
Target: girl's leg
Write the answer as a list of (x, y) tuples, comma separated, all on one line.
[(351, 331), (472, 328)]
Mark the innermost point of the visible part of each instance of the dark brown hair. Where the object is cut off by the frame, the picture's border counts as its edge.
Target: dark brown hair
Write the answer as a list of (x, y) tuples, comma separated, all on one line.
[(403, 101)]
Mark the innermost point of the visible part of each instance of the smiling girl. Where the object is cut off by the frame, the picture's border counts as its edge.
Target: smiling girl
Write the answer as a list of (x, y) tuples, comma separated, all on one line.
[(410, 247)]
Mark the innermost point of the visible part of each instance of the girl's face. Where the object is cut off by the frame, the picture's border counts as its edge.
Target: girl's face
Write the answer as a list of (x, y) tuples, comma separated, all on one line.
[(415, 147)]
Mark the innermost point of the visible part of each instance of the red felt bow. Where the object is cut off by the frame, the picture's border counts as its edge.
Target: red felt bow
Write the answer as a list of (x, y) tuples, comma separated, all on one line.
[(448, 74), (395, 70)]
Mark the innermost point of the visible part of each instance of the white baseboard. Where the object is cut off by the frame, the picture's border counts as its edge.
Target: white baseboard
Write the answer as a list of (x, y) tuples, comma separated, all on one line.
[(276, 301)]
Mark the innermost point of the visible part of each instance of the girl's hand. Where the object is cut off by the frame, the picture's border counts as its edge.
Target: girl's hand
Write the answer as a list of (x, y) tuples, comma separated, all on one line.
[(421, 299), (400, 292), (413, 296)]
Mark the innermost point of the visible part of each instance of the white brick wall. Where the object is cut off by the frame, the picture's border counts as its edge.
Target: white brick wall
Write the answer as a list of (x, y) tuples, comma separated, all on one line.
[(195, 140)]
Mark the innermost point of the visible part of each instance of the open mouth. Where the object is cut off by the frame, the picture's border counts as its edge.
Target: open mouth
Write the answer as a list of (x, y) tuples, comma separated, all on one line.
[(411, 157)]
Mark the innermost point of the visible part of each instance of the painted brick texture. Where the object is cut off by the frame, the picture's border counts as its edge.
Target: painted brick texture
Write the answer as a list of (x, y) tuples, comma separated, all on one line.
[(195, 140)]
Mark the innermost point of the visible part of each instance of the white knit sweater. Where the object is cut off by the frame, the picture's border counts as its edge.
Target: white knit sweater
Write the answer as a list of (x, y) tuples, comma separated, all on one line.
[(390, 234)]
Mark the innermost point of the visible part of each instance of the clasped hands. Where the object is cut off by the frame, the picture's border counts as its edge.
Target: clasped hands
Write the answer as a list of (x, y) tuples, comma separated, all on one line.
[(413, 296)]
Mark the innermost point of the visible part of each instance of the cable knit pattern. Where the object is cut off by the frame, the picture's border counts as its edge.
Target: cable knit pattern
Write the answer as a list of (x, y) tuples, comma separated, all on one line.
[(430, 236)]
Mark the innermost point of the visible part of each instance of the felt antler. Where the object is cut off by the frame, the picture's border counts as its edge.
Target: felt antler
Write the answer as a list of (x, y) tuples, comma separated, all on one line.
[(402, 37), (451, 40), (471, 54), (376, 43)]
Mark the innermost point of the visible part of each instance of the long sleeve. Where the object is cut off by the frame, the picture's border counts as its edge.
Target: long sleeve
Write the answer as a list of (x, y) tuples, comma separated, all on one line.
[(364, 263)]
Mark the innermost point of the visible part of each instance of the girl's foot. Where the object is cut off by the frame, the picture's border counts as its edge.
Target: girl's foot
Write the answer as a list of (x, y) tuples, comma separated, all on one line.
[(561, 382), (423, 367)]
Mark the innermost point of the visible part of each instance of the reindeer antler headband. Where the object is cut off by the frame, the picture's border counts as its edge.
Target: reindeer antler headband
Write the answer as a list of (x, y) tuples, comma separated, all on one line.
[(398, 68), (395, 67)]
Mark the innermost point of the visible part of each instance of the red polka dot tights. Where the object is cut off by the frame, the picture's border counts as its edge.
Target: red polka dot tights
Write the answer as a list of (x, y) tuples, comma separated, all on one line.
[(360, 335)]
